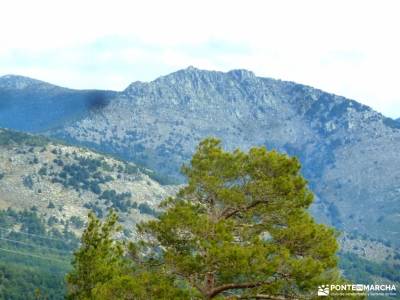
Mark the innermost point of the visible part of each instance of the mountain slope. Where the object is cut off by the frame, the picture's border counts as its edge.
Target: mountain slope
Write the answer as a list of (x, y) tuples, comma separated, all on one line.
[(346, 148), (32, 105), (62, 183), (46, 191)]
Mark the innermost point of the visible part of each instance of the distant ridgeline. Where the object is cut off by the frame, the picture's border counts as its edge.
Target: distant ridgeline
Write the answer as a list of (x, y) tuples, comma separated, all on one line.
[(35, 106)]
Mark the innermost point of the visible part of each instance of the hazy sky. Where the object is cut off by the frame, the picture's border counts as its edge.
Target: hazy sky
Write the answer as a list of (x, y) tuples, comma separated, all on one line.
[(351, 48)]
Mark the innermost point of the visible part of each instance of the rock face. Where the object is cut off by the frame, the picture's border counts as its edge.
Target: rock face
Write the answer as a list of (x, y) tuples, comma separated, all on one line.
[(62, 183), (349, 152)]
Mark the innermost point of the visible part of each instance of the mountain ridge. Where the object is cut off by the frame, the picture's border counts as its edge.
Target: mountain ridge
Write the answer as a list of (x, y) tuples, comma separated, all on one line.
[(35, 106), (14, 80), (21, 82), (159, 123)]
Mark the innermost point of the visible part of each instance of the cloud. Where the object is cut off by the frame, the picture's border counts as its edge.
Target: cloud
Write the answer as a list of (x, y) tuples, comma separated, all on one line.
[(345, 47)]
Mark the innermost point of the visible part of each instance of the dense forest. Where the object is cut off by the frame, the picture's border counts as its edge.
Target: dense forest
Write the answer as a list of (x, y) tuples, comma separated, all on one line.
[(33, 261), (25, 276)]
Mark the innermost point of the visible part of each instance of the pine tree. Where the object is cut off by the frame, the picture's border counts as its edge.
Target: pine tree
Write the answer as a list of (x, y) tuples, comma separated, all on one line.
[(103, 270), (241, 228), (99, 258)]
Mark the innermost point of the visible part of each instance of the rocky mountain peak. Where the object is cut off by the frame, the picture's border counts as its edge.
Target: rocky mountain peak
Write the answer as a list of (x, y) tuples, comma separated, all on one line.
[(195, 74), (242, 74), (193, 84), (184, 81)]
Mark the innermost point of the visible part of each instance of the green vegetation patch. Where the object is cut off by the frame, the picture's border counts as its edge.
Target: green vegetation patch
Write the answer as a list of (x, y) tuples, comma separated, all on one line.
[(33, 260), (360, 270), (85, 174), (118, 201), (11, 137)]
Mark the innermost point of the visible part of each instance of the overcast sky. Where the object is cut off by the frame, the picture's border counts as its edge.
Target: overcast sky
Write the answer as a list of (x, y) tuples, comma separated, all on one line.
[(349, 47)]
